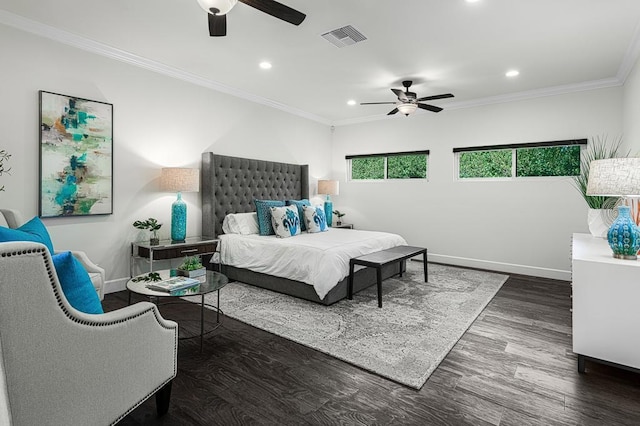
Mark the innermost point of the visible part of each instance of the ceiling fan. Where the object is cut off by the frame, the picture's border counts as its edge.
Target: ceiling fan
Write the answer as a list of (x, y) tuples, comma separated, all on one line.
[(217, 11), (407, 102)]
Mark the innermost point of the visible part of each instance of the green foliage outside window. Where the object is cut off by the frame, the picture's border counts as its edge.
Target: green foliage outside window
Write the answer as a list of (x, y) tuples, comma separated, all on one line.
[(400, 166), (367, 168), (485, 164), (548, 161), (537, 161), (407, 166)]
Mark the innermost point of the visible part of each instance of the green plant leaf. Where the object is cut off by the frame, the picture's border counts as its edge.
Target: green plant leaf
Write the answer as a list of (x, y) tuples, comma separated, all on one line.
[(598, 148)]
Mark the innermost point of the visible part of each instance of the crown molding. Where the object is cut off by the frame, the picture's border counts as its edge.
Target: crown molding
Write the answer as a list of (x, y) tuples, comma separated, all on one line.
[(631, 56), (56, 34), (74, 40), (509, 97), (537, 93)]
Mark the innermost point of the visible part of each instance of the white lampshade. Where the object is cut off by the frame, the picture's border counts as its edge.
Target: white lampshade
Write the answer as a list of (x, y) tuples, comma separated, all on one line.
[(407, 108), (614, 177), (223, 6), (328, 187), (176, 179)]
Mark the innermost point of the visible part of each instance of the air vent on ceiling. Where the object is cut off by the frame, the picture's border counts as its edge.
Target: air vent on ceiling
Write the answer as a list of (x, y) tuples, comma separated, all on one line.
[(345, 36)]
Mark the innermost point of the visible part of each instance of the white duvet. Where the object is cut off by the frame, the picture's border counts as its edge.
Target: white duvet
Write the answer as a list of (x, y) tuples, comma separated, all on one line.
[(320, 259)]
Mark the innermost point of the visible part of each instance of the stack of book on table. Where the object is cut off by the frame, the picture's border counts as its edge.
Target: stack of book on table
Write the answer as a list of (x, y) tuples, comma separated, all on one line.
[(176, 286)]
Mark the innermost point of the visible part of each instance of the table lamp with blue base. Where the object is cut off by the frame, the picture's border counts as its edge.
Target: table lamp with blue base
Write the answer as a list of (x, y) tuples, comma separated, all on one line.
[(174, 179), (328, 188), (618, 177), (178, 219)]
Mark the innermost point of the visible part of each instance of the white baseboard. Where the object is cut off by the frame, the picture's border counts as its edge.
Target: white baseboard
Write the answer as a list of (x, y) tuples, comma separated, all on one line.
[(113, 286), (510, 268)]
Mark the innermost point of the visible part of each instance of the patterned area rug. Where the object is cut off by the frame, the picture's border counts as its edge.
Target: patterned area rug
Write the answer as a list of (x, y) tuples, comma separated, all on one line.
[(404, 341)]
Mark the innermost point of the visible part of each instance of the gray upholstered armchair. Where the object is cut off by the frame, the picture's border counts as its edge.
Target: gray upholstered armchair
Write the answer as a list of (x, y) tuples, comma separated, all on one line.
[(13, 219), (60, 366)]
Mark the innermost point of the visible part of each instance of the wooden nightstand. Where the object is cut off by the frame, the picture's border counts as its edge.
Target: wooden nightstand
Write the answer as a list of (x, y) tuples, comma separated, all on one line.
[(193, 246), (343, 226)]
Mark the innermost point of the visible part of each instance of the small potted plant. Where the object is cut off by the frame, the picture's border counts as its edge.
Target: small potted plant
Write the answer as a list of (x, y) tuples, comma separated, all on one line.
[(152, 225), (339, 214), (191, 267)]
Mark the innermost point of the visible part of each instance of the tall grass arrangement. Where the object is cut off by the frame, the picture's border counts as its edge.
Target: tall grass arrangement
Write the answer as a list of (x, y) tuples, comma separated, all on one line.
[(4, 156), (598, 148)]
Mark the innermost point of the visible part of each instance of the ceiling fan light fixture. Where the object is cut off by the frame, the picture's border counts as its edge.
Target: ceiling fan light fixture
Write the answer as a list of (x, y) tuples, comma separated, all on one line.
[(407, 108), (223, 6)]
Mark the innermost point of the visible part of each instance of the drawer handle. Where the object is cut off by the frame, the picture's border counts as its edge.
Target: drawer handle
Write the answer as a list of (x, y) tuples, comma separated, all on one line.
[(189, 251)]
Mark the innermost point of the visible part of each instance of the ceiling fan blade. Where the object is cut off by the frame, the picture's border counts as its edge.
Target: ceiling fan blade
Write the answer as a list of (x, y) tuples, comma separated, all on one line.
[(277, 10), (431, 98), (400, 94), (217, 25), (430, 107), (393, 111), (377, 103)]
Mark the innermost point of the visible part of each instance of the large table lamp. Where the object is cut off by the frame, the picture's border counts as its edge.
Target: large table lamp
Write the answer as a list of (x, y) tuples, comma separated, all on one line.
[(328, 188), (176, 179), (618, 177)]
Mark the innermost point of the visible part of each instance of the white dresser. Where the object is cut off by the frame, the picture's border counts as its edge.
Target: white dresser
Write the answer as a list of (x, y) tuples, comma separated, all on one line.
[(606, 304)]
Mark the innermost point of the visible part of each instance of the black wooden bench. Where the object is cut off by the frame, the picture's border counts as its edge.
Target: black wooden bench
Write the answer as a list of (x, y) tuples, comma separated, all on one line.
[(381, 258)]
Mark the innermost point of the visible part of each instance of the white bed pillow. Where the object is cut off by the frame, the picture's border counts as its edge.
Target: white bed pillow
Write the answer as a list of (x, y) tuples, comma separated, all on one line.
[(240, 223), (285, 221), (315, 219), (317, 201)]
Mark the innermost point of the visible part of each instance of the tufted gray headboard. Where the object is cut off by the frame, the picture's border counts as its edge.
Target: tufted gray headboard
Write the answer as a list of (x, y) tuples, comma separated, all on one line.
[(230, 184)]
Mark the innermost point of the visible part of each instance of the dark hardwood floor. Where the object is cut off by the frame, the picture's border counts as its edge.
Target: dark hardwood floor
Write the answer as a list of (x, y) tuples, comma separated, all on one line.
[(514, 366)]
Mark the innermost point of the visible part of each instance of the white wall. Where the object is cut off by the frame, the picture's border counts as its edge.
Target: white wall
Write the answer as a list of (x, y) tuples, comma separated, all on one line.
[(632, 110), (520, 226), (158, 122)]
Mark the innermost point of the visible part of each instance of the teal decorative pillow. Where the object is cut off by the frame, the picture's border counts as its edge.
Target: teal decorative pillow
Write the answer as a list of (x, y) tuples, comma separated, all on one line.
[(264, 215), (34, 230), (76, 284), (315, 219), (299, 204), (285, 221)]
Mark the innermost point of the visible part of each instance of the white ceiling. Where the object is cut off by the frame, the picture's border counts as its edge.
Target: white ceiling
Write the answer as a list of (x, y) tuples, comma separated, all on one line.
[(443, 45)]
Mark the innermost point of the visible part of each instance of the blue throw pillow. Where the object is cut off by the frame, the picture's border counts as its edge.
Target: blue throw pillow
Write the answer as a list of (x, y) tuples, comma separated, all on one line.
[(34, 230), (285, 221), (299, 204), (263, 208), (76, 284), (315, 218)]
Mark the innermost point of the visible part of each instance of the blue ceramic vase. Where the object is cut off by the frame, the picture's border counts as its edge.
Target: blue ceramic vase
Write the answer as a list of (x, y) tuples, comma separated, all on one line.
[(178, 219), (328, 210), (623, 236)]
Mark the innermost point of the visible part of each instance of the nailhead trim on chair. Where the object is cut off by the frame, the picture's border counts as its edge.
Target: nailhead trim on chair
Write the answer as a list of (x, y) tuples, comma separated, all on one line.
[(50, 270)]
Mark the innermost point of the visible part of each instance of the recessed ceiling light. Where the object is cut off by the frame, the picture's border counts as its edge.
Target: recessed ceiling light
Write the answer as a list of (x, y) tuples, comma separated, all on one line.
[(512, 73), (265, 65), (472, 1), (351, 102)]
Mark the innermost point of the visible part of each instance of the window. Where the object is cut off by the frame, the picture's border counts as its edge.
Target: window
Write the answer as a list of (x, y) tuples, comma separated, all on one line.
[(396, 165), (558, 158), (485, 164), (367, 168)]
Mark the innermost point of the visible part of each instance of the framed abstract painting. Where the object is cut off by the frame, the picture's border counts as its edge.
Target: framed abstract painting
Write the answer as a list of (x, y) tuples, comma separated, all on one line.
[(76, 156)]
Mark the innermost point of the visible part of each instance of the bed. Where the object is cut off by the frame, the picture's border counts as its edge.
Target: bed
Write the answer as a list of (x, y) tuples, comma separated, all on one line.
[(230, 185)]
